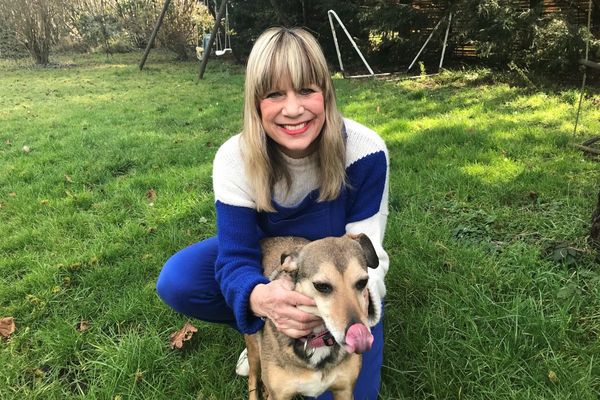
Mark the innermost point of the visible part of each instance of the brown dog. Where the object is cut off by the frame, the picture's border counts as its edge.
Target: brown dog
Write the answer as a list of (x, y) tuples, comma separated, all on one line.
[(332, 271)]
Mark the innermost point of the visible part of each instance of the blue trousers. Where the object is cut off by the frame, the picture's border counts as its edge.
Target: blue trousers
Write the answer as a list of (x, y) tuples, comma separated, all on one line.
[(187, 284)]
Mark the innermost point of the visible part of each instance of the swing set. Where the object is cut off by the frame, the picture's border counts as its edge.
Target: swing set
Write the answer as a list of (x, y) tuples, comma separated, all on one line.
[(222, 47), (222, 41)]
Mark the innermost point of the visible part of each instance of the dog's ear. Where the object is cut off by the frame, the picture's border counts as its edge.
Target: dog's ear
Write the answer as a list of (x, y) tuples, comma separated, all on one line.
[(367, 248), (288, 266), (288, 262)]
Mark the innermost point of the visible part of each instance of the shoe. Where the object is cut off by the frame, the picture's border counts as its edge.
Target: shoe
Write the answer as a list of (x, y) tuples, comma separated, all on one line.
[(242, 368)]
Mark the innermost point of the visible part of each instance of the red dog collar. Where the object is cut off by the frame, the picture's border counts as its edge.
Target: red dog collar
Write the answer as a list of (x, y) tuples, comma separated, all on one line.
[(321, 339)]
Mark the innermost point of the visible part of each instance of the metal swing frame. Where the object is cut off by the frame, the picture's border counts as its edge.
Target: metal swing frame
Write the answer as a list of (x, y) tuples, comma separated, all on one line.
[(332, 14)]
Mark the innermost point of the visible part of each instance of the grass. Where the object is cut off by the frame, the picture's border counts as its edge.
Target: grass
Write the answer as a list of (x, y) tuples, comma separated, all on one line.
[(492, 292)]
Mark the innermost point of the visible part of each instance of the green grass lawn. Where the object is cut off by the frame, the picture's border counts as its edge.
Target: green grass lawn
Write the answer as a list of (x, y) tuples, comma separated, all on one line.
[(493, 292)]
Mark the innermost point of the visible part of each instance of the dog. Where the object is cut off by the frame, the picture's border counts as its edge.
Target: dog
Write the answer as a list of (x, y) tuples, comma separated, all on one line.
[(334, 272)]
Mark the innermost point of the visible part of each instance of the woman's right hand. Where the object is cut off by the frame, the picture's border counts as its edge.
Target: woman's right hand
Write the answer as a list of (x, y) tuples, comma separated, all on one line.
[(277, 301)]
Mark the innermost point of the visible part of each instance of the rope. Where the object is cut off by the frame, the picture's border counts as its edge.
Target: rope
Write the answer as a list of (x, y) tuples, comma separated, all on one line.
[(587, 51)]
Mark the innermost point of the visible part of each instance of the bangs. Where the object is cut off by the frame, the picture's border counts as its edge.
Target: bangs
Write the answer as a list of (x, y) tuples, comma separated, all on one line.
[(289, 60)]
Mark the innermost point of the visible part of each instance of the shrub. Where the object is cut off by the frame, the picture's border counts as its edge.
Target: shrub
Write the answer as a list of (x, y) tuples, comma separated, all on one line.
[(179, 31), (37, 24), (137, 18), (96, 29), (558, 45), (9, 44)]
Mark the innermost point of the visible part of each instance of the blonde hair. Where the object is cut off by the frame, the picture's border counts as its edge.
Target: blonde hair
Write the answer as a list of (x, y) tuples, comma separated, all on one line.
[(280, 55)]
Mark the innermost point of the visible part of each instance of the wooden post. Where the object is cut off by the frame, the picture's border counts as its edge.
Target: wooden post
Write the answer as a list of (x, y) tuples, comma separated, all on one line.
[(154, 32), (211, 41), (594, 238), (589, 63)]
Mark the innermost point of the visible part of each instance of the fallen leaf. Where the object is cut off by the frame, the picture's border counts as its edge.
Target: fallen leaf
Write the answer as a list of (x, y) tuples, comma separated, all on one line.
[(45, 202), (7, 326), (8, 142), (68, 179), (184, 334), (12, 194), (552, 376), (151, 195), (82, 326)]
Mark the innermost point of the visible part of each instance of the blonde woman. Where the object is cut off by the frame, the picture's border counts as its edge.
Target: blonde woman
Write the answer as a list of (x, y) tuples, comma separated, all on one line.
[(297, 169)]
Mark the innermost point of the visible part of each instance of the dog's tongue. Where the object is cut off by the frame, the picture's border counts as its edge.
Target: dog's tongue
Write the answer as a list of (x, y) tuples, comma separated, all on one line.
[(358, 339)]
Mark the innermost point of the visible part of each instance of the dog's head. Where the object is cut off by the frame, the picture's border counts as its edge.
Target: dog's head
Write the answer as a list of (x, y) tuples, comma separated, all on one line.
[(334, 272)]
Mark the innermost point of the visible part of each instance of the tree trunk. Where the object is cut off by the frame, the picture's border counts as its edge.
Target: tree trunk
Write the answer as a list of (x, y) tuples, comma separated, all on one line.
[(594, 238), (39, 50)]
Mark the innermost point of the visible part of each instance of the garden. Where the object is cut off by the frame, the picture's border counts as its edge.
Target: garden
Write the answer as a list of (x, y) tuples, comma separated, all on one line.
[(106, 171)]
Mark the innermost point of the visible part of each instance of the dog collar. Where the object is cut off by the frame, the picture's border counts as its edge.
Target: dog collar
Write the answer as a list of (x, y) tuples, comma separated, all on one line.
[(321, 339)]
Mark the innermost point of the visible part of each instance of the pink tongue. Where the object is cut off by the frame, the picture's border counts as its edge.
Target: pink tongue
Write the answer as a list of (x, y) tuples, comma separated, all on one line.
[(358, 339)]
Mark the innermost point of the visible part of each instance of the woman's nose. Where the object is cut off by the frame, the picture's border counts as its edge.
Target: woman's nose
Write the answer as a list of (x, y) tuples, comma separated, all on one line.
[(293, 106)]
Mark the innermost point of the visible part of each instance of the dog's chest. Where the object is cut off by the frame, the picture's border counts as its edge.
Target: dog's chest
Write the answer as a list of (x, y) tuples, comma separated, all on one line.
[(314, 384)]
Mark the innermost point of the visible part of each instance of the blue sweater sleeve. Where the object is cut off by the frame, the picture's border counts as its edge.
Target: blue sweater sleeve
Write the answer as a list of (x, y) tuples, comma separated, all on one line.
[(367, 178), (238, 268)]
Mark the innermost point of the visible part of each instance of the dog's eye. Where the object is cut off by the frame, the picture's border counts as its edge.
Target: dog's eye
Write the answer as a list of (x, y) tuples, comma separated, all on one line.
[(323, 287), (360, 285)]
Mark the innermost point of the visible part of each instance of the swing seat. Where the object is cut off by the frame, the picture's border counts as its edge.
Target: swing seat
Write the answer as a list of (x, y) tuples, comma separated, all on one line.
[(223, 52), (199, 52)]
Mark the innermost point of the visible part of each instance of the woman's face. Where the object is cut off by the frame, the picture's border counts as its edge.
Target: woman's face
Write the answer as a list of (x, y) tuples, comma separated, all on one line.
[(293, 119)]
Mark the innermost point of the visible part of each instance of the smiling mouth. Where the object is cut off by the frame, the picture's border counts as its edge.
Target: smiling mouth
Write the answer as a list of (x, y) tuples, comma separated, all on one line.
[(296, 129)]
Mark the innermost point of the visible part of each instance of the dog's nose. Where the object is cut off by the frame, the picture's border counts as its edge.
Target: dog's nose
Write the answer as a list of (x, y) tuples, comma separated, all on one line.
[(358, 339)]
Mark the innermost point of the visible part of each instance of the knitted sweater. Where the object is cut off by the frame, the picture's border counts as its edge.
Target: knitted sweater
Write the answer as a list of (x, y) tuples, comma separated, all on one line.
[(362, 207)]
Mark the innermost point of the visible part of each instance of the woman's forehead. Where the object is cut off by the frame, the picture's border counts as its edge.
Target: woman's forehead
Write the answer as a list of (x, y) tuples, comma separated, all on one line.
[(285, 83), (295, 77)]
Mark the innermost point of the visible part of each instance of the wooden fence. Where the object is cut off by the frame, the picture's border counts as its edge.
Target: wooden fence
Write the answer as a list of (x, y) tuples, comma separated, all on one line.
[(575, 10)]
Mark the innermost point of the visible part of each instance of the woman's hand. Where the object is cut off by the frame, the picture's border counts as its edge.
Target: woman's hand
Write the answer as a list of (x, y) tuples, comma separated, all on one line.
[(277, 301)]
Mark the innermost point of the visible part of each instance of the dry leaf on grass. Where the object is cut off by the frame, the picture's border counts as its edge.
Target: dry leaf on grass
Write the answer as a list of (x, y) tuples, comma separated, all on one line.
[(182, 335), (82, 326), (151, 195), (7, 326)]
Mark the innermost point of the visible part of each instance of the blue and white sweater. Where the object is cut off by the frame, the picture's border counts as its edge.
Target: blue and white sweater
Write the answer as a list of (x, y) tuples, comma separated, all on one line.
[(362, 207)]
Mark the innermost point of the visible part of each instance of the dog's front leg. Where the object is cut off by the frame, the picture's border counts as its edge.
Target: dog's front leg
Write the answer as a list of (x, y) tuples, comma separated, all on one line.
[(343, 394), (254, 382)]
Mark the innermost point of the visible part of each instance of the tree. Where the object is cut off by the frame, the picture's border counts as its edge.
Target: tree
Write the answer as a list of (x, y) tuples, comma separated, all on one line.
[(37, 24), (180, 28)]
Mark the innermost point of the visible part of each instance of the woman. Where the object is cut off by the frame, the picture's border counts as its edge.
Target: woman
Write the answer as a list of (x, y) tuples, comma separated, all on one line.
[(297, 169)]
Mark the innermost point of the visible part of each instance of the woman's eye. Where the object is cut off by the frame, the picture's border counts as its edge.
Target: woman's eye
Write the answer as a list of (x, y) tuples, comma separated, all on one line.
[(323, 287), (272, 95), (306, 91), (360, 285)]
